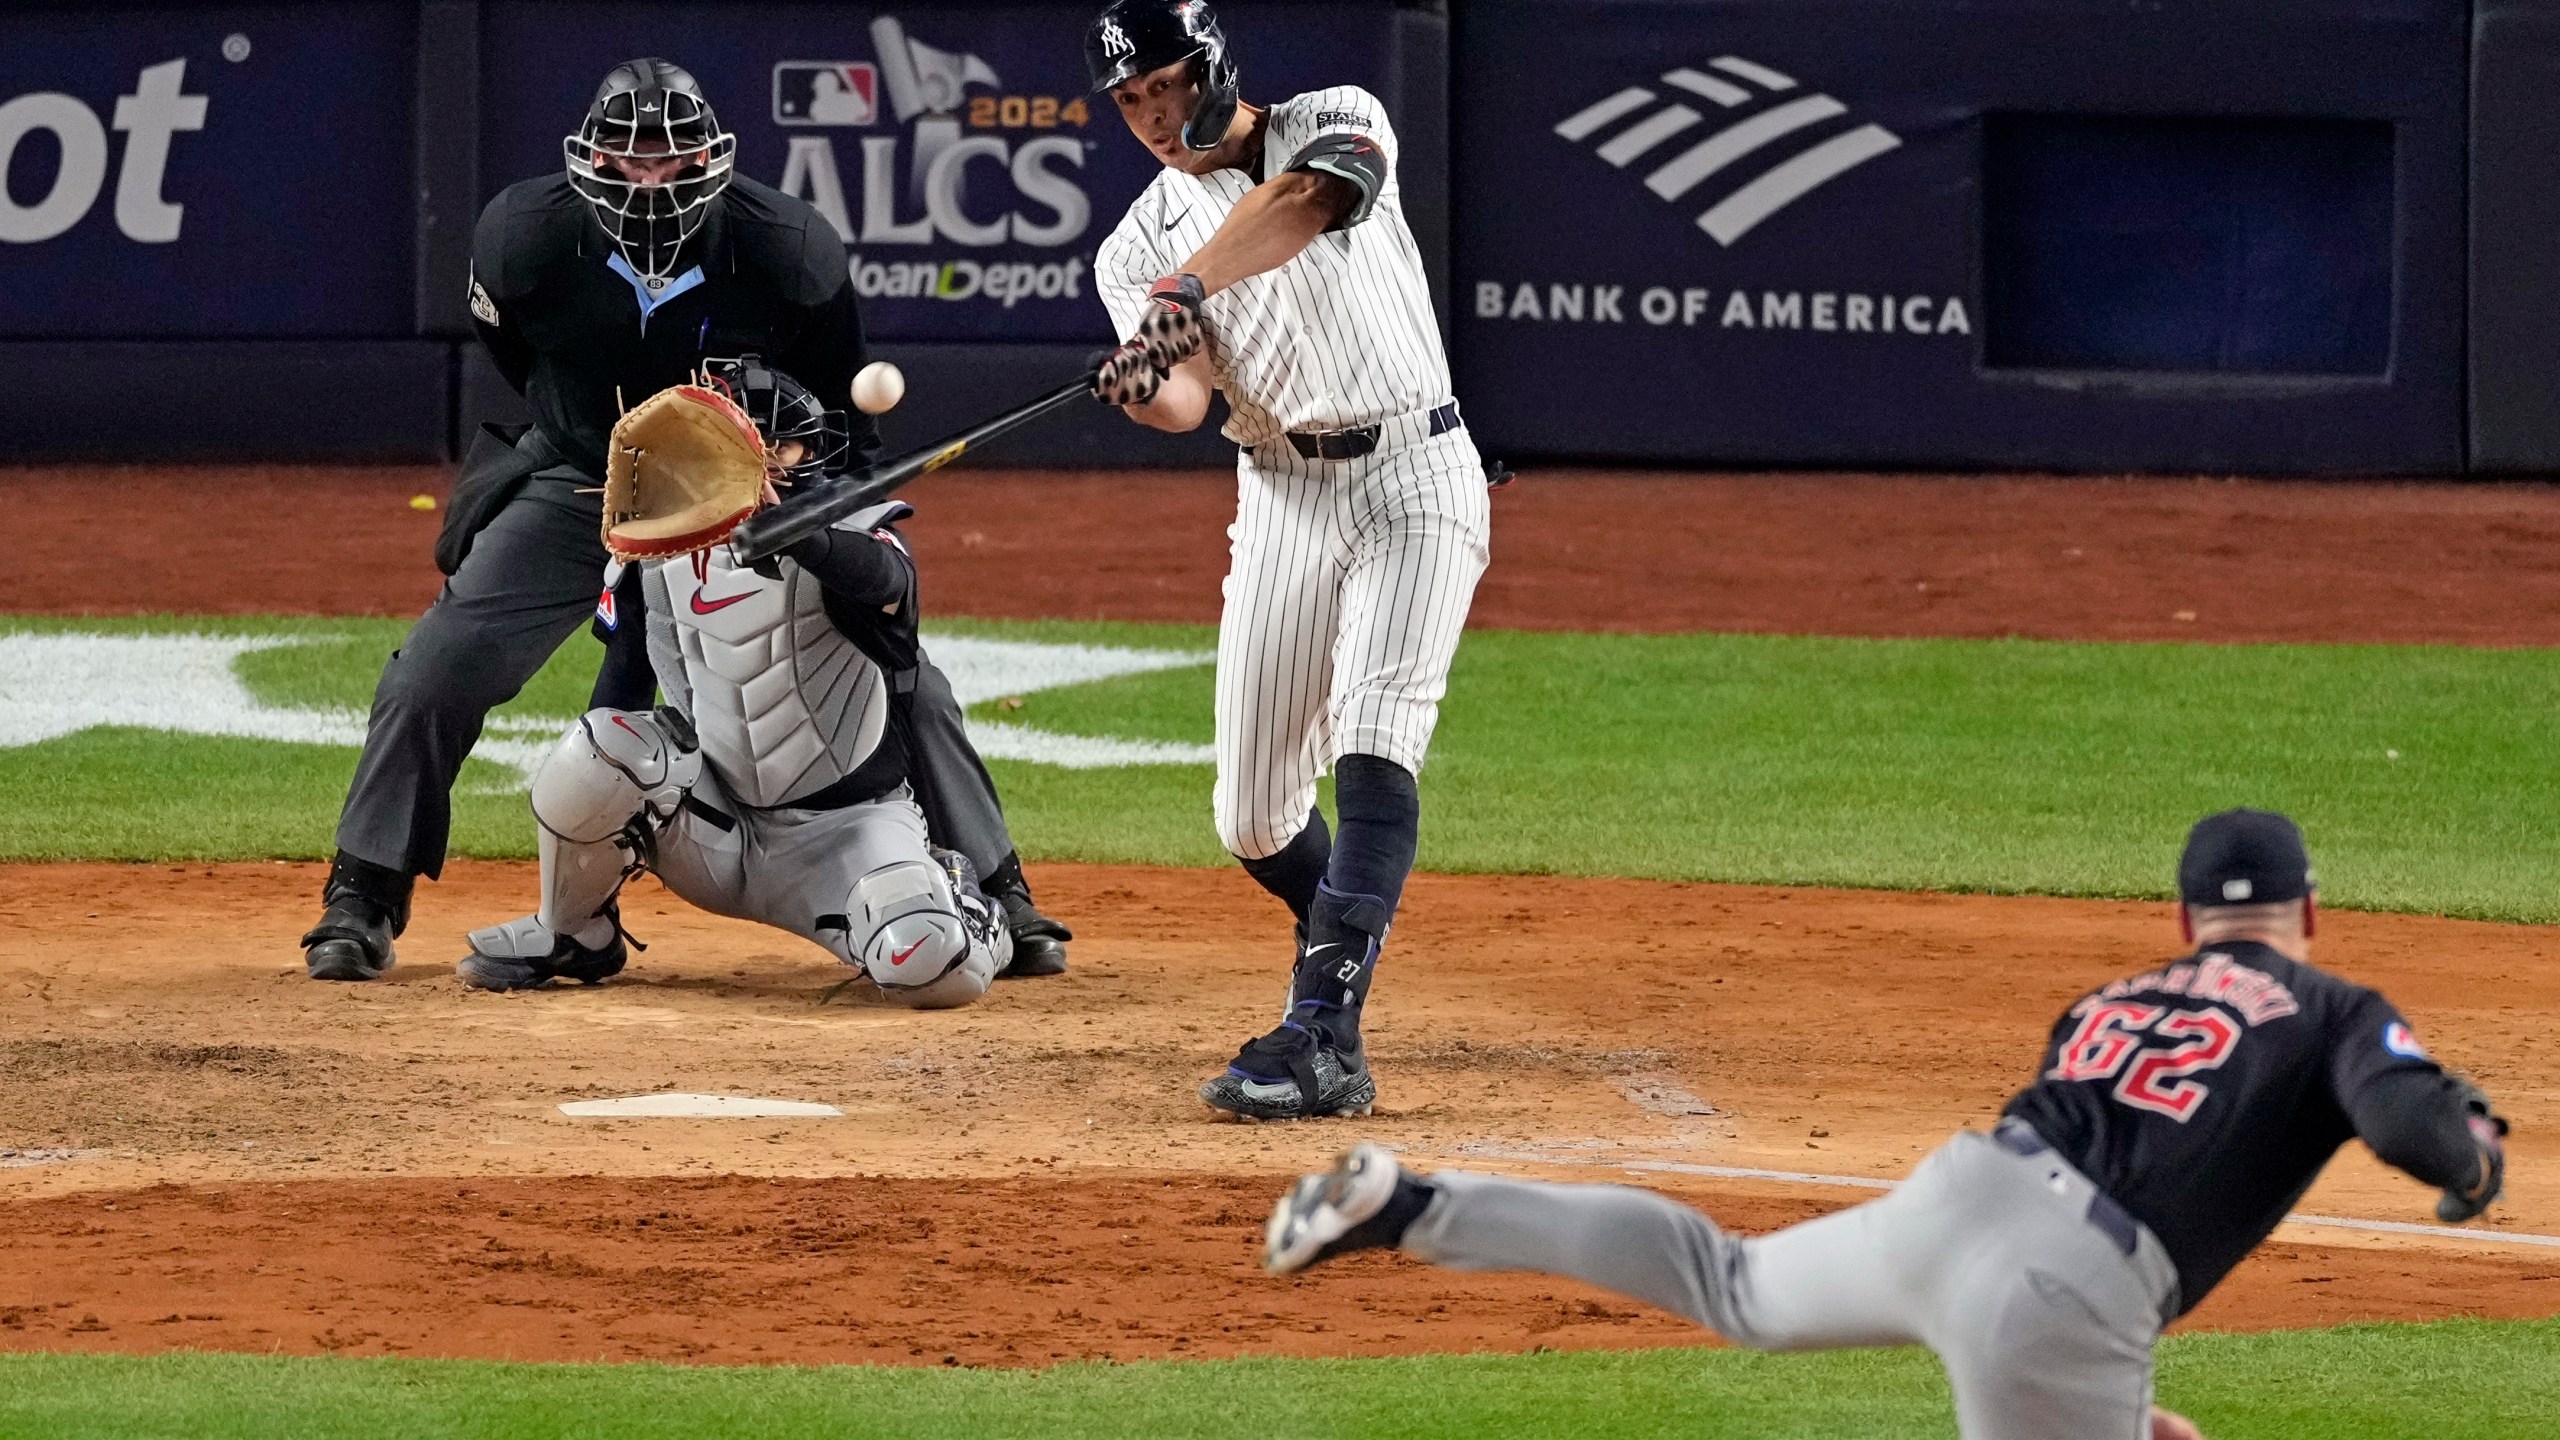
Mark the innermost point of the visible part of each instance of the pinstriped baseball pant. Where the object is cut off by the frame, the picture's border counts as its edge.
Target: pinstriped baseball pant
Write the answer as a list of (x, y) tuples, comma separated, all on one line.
[(1347, 587)]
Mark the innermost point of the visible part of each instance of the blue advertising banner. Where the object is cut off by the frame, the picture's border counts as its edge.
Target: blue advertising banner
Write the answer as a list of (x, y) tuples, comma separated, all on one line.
[(208, 172), (2029, 232), (954, 148)]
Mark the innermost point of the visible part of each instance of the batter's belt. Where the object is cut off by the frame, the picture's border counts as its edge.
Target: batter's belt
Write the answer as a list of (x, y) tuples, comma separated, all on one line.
[(1391, 434)]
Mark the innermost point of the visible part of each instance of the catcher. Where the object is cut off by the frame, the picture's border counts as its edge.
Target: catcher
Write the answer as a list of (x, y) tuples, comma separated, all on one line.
[(2178, 1116), (773, 786)]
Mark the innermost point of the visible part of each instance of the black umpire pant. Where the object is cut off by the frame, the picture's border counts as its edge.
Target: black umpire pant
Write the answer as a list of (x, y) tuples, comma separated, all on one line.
[(530, 579)]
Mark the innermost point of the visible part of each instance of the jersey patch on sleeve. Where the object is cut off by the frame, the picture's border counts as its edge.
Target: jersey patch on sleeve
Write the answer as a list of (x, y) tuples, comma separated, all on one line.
[(2398, 1039)]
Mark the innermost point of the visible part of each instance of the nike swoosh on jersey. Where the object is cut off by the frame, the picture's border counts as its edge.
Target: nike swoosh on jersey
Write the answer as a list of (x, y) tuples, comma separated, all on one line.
[(1176, 220), (716, 606)]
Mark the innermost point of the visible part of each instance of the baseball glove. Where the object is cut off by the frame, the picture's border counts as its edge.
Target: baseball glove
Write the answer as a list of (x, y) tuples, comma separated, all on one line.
[(684, 469), (2489, 1134)]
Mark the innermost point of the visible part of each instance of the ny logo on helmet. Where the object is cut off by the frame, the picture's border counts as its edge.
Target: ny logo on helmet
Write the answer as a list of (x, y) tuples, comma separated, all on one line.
[(1116, 41)]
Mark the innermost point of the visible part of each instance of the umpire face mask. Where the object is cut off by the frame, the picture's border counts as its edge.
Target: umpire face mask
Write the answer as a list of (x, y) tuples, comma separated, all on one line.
[(649, 159)]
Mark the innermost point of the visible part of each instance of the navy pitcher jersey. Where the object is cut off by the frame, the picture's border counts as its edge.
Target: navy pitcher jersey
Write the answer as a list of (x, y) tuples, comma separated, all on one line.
[(2206, 1095)]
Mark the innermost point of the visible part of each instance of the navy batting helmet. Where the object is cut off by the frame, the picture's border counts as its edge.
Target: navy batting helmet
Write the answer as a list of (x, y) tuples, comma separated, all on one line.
[(646, 113), (1132, 37)]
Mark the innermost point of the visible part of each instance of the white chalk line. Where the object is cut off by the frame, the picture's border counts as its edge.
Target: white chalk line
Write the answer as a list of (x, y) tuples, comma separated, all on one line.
[(57, 683), (1863, 1182)]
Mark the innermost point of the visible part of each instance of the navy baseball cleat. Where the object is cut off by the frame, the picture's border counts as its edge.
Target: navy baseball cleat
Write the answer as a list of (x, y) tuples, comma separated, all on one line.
[(1364, 1202), (1292, 1074)]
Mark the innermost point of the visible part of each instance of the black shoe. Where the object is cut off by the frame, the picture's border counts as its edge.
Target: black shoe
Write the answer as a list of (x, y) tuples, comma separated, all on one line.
[(366, 905), (526, 955), (1039, 943), (1293, 1073)]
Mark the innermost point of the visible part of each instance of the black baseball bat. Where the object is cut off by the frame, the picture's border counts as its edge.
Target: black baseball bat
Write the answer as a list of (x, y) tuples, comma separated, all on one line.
[(770, 533)]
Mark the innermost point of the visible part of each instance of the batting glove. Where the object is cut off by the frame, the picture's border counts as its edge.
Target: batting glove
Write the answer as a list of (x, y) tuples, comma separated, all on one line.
[(1172, 331), (1128, 377)]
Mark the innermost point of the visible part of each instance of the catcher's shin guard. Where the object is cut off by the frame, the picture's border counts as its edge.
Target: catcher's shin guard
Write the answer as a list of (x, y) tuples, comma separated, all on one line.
[(616, 778), (931, 939)]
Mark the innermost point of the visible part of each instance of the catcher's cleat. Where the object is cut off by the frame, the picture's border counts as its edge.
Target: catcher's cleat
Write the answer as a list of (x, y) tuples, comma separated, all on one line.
[(1292, 1074), (366, 905), (1039, 943), (1365, 1202), (527, 954)]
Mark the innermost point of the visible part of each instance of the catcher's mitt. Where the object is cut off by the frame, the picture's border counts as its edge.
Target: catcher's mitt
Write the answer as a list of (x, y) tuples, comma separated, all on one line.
[(684, 469)]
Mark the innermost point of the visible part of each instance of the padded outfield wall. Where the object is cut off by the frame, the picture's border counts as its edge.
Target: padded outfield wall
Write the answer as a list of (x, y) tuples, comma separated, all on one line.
[(2294, 236)]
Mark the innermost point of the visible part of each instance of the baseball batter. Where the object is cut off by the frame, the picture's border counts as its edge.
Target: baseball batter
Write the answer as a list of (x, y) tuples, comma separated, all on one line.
[(1270, 260), (773, 785), (2179, 1115)]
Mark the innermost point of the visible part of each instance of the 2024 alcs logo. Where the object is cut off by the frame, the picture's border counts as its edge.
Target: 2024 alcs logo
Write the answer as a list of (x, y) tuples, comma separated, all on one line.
[(962, 132), (157, 110), (1758, 116)]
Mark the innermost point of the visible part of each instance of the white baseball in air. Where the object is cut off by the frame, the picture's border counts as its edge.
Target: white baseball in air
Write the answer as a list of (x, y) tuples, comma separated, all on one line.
[(879, 388)]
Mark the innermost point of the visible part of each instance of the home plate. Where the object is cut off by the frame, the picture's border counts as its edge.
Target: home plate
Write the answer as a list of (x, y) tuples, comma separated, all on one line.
[(698, 1107)]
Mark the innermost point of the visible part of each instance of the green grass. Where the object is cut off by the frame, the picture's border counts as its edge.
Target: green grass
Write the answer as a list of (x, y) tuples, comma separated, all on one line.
[(2003, 766), (2458, 1380)]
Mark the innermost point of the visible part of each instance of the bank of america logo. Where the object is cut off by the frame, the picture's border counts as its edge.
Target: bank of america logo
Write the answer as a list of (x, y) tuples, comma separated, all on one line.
[(1738, 85)]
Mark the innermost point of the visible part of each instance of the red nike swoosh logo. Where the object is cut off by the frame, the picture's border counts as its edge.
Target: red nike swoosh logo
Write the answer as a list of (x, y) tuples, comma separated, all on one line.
[(900, 957), (716, 606)]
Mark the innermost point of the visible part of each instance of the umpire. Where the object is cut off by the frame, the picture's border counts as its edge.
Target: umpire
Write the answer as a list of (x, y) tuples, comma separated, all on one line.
[(594, 289)]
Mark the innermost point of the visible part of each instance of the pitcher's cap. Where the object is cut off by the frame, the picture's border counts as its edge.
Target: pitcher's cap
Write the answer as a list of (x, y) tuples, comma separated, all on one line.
[(2244, 857)]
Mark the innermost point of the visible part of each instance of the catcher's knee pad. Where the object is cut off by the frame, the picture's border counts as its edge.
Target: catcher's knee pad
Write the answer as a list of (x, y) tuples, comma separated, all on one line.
[(614, 767), (918, 946)]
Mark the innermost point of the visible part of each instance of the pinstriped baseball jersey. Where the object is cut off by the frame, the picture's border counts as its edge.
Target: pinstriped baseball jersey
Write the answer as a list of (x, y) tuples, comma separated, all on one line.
[(1348, 580), (1343, 335)]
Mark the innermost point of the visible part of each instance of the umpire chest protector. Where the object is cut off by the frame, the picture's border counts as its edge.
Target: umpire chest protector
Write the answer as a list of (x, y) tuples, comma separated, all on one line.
[(591, 337), (787, 705)]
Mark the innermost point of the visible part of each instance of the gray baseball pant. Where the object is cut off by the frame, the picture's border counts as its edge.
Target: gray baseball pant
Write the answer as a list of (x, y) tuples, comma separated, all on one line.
[(530, 581), (1988, 1257)]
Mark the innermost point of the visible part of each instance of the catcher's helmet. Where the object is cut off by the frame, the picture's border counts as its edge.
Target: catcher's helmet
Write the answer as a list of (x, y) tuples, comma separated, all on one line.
[(649, 110), (783, 409), (1132, 37)]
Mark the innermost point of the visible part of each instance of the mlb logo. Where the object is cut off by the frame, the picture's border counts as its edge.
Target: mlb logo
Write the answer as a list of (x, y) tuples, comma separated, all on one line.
[(826, 92)]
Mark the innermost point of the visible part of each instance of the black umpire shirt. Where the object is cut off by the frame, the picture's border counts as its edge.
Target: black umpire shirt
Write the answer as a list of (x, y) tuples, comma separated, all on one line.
[(567, 326), (2204, 1096)]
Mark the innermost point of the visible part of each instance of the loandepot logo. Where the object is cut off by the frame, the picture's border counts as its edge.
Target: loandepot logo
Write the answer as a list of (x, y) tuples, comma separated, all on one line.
[(1682, 168), (61, 683)]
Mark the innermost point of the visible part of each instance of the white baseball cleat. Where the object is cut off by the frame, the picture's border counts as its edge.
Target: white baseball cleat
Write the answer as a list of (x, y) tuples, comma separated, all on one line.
[(1322, 1215)]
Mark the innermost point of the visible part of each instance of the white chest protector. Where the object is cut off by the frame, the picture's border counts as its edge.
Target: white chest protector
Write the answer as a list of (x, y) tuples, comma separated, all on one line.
[(784, 703)]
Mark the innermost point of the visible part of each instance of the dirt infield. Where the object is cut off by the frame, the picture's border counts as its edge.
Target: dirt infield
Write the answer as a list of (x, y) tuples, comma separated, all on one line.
[(198, 1148), (277, 1164), (2120, 559)]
